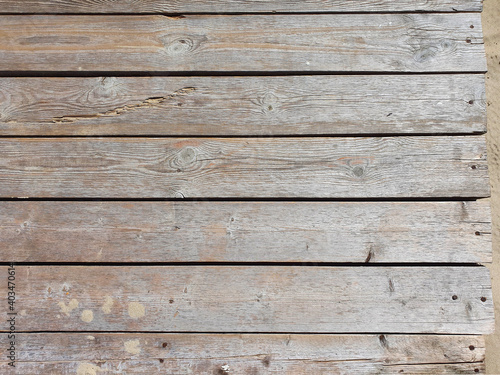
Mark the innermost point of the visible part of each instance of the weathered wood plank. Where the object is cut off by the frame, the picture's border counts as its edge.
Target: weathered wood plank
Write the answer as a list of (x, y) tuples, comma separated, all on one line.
[(446, 232), (73, 353), (291, 105), (254, 299), (349, 42), (235, 6), (244, 167)]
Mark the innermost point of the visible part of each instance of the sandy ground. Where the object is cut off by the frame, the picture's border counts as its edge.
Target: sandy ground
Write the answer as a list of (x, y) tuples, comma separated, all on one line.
[(491, 28)]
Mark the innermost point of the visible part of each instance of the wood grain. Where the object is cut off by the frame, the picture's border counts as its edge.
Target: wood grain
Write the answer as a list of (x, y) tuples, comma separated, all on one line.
[(240, 299), (198, 354), (244, 167), (278, 43), (235, 6), (374, 232), (292, 105)]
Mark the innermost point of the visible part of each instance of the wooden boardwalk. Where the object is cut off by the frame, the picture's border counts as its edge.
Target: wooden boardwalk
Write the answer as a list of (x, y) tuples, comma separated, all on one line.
[(243, 187)]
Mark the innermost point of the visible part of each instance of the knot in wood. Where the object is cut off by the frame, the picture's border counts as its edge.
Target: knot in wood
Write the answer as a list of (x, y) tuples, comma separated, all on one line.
[(426, 53), (182, 45)]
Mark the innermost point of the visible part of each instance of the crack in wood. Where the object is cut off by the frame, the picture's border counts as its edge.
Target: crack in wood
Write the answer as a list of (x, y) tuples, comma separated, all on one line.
[(146, 103)]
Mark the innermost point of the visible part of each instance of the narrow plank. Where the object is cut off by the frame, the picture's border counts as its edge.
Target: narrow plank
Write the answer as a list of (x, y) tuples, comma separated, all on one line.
[(235, 6), (208, 43), (454, 300), (376, 232), (72, 353), (292, 105), (244, 167)]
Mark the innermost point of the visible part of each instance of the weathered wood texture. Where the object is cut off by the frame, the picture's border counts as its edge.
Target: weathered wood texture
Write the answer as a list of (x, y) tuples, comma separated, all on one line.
[(446, 232), (244, 167), (77, 353), (235, 6), (293, 105), (349, 42), (254, 299)]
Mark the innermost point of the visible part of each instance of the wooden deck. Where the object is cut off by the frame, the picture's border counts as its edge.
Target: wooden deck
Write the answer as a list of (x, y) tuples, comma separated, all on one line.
[(243, 187)]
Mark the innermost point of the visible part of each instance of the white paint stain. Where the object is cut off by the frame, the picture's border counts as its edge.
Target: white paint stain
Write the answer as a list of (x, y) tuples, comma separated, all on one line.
[(87, 369), (22, 312), (132, 346), (66, 309), (136, 310), (108, 304), (225, 368), (87, 316), (90, 338)]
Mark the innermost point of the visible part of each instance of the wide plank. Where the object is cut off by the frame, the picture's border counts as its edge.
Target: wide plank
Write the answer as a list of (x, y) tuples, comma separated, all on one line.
[(234, 43), (372, 232), (292, 105), (235, 6), (444, 166), (150, 353), (454, 300)]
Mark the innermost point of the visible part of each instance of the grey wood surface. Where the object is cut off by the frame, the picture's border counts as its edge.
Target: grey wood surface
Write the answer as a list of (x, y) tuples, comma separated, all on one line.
[(273, 299), (244, 167), (329, 43), (372, 232), (235, 6), (149, 353), (292, 105)]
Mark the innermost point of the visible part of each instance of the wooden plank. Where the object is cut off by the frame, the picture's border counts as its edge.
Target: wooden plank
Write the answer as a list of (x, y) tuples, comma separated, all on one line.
[(244, 167), (72, 353), (292, 105), (254, 299), (376, 232), (232, 43), (235, 6)]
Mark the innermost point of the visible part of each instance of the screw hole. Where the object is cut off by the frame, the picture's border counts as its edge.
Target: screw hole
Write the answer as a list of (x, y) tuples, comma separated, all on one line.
[(477, 233), (483, 299), (471, 26), (468, 40), (164, 344), (472, 347), (474, 167), (454, 297), (161, 360), (471, 102)]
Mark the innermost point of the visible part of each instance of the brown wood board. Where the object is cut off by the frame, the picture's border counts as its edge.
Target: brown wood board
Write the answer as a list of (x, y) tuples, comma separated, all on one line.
[(235, 43), (370, 232), (208, 354), (231, 106), (262, 299)]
